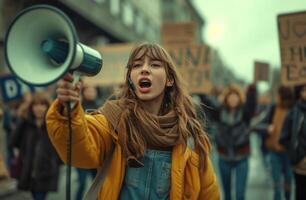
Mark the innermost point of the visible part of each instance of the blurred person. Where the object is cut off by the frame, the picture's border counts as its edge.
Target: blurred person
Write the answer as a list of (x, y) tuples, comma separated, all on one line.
[(232, 114), (9, 124), (3, 168), (293, 137), (39, 163), (22, 108), (279, 160), (89, 97), (157, 146), (18, 111)]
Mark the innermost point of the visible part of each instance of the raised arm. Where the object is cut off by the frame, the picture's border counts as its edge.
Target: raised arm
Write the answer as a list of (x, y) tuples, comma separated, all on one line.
[(210, 106), (251, 102), (91, 139)]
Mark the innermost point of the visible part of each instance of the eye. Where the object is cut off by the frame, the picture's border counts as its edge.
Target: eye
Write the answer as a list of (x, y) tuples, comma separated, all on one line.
[(136, 65), (155, 64)]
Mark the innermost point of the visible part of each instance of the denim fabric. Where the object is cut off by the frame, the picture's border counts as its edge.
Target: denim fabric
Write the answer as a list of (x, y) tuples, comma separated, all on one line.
[(82, 176), (281, 168), (151, 182), (227, 170), (39, 195)]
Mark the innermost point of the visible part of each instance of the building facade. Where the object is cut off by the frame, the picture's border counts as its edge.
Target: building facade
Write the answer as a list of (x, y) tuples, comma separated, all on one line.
[(97, 22)]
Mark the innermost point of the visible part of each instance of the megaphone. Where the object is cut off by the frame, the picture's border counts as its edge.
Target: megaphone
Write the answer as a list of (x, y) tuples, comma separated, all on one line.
[(41, 45)]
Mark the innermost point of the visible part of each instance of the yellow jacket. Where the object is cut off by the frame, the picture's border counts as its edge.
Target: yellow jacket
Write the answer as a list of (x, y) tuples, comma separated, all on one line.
[(92, 140)]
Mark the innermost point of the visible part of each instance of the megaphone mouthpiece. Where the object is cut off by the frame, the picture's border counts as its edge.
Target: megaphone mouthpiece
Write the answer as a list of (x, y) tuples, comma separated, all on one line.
[(55, 49)]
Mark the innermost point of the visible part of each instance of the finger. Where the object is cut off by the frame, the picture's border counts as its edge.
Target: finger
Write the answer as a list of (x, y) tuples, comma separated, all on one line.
[(66, 84), (67, 92), (64, 99), (68, 77), (79, 86)]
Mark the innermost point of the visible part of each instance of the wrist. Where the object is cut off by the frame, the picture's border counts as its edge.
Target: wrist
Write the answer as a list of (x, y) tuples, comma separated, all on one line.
[(62, 109)]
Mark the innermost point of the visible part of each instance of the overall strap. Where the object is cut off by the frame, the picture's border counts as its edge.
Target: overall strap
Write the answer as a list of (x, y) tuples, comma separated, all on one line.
[(93, 192)]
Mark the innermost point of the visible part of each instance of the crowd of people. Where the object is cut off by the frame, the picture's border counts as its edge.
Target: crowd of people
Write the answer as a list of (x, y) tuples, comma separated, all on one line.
[(156, 135)]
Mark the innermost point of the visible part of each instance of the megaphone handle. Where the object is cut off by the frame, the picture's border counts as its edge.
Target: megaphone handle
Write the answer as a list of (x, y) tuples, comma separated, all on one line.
[(70, 105), (76, 77)]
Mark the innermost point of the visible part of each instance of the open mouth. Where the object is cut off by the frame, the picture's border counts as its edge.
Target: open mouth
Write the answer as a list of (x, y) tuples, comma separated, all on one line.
[(145, 83)]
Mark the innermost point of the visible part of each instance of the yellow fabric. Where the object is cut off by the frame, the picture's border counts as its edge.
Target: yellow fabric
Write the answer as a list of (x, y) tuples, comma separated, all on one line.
[(92, 140)]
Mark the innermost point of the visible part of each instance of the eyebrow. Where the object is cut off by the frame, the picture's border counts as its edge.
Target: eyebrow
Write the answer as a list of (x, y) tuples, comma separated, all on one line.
[(138, 61), (155, 60)]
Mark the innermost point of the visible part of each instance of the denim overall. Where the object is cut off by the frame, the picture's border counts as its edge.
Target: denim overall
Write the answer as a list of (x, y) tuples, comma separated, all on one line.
[(151, 182)]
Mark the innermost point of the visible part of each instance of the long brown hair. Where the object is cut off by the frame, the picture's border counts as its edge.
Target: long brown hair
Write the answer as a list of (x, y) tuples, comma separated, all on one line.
[(176, 98)]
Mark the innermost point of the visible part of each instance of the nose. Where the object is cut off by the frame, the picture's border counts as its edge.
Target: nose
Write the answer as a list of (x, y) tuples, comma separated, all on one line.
[(145, 69)]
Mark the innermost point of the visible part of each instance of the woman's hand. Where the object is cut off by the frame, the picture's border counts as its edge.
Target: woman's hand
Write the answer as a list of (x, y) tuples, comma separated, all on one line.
[(271, 129), (68, 92)]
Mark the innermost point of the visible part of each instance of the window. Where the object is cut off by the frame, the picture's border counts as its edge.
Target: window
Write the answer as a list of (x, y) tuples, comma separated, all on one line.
[(127, 14), (139, 23), (151, 34), (100, 1), (115, 7)]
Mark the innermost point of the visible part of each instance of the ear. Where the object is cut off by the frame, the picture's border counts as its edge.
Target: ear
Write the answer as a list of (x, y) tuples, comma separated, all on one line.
[(170, 83)]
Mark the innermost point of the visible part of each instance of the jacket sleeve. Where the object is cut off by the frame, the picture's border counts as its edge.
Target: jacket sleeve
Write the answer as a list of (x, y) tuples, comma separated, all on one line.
[(262, 125), (17, 134), (210, 106), (210, 187), (91, 139)]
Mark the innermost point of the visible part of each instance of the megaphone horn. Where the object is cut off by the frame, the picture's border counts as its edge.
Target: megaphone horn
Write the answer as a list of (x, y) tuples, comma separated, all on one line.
[(41, 45)]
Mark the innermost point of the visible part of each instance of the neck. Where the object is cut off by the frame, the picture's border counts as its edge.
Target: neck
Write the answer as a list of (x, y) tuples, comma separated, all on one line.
[(232, 109), (153, 106), (39, 122)]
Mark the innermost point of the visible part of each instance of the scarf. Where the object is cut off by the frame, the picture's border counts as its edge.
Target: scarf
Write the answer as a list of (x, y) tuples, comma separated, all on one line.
[(231, 118), (161, 133), (281, 110)]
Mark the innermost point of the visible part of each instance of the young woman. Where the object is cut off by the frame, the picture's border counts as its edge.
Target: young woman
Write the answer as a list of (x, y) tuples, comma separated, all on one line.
[(293, 137), (39, 163), (160, 149), (232, 116)]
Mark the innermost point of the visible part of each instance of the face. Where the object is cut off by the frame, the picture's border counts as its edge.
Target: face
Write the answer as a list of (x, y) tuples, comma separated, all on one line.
[(90, 93), (303, 93), (39, 110), (149, 78), (233, 100)]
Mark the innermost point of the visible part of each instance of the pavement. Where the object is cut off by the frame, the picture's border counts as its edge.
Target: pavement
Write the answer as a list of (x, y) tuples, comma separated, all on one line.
[(8, 191)]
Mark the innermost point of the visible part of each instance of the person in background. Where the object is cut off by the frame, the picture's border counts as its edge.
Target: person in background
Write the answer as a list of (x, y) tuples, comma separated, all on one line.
[(232, 115), (150, 136), (279, 160), (9, 122), (24, 105), (293, 137), (3, 168), (89, 104), (39, 163)]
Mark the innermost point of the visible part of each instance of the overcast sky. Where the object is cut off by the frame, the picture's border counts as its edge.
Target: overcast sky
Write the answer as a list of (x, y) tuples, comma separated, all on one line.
[(244, 30)]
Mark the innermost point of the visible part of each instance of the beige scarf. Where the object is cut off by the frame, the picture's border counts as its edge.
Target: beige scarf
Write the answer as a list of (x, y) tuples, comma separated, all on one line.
[(281, 110)]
